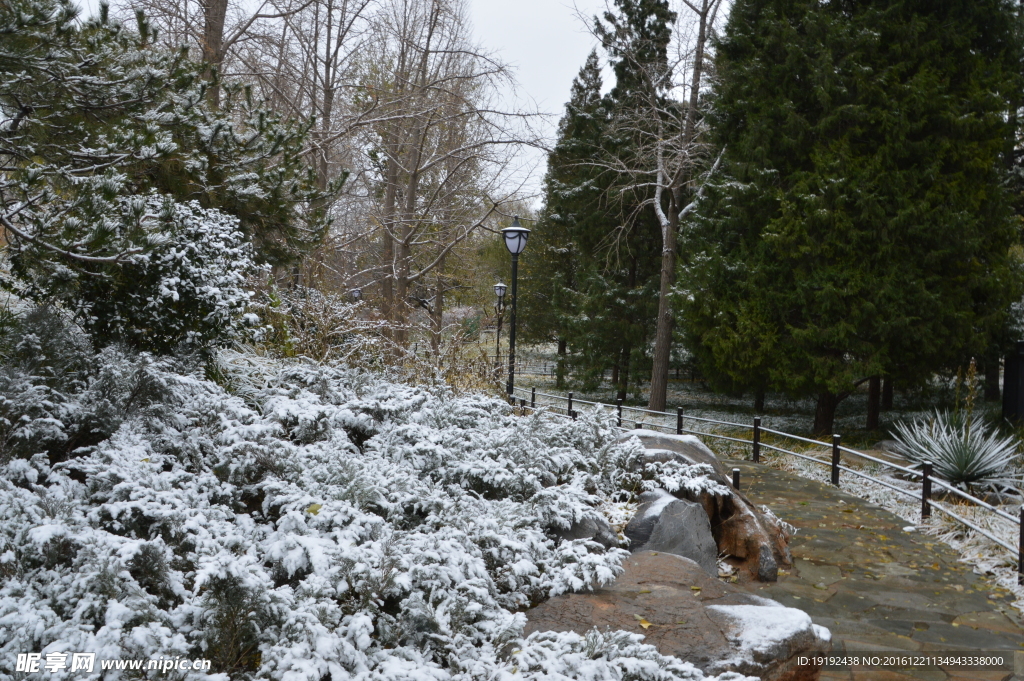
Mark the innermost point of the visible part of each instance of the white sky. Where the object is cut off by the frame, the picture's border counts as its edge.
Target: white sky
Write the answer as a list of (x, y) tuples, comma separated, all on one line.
[(543, 39), (546, 43)]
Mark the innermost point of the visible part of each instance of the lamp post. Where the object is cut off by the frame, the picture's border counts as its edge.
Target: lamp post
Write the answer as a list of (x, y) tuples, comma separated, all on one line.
[(356, 294), (499, 310), (515, 242)]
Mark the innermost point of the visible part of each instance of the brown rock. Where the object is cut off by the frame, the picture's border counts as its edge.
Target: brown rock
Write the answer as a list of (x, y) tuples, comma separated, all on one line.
[(739, 528), (694, 617)]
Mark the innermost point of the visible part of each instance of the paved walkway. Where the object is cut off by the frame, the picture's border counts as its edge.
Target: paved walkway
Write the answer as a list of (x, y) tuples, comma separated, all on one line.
[(876, 587)]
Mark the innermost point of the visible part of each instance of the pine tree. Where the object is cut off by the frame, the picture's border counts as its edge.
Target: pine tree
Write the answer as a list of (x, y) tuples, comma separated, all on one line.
[(98, 110), (100, 122), (862, 229), (595, 274)]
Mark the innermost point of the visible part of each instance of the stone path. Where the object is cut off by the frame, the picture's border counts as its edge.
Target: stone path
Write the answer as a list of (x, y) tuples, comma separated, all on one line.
[(876, 587)]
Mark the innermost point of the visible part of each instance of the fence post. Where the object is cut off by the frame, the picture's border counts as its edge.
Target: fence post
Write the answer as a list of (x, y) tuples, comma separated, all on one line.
[(679, 420), (573, 413), (533, 398), (522, 405), (756, 449), (1020, 550), (736, 479), (568, 409), (835, 459), (618, 407), (926, 489)]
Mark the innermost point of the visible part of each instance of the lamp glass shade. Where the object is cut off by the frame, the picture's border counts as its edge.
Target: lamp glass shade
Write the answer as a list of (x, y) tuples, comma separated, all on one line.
[(356, 294), (515, 237), (499, 290)]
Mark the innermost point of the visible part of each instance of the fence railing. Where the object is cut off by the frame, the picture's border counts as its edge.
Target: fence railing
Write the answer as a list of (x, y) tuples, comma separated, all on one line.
[(525, 367), (677, 422)]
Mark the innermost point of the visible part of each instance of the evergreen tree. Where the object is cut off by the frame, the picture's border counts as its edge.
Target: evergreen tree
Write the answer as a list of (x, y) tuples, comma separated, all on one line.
[(594, 265), (572, 195), (862, 229), (102, 133)]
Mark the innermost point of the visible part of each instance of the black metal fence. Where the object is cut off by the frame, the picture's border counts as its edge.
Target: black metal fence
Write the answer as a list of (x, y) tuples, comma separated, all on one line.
[(677, 422)]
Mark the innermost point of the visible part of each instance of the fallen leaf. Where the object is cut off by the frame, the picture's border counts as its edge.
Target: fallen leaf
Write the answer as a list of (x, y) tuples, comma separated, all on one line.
[(695, 588), (314, 508), (643, 623)]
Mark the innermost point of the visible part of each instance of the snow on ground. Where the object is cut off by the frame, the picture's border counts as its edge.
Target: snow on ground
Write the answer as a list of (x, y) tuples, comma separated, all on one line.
[(329, 523)]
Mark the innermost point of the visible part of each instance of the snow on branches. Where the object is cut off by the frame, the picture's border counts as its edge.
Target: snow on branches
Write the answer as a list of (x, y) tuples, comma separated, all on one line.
[(334, 523)]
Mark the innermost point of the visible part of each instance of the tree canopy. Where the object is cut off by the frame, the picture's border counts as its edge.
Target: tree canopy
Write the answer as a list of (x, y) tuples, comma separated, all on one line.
[(101, 127), (860, 227)]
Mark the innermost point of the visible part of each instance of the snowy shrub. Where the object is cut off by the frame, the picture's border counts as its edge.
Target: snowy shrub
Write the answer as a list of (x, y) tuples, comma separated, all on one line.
[(674, 476), (57, 395), (186, 289), (323, 326), (964, 451), (334, 525)]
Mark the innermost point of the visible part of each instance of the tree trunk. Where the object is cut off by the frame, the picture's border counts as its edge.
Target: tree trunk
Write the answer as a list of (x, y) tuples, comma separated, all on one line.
[(623, 385), (615, 372), (825, 413), (214, 13), (874, 401), (670, 228), (887, 393), (560, 371), (437, 312), (992, 378), (388, 235), (663, 332), (759, 401)]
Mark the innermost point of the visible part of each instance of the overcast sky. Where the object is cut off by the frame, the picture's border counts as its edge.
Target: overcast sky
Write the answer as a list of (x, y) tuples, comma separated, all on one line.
[(543, 39), (546, 43)]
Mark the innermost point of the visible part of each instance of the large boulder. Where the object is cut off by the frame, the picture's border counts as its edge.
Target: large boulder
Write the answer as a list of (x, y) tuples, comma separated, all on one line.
[(594, 528), (756, 541), (685, 612), (669, 525), (683, 448)]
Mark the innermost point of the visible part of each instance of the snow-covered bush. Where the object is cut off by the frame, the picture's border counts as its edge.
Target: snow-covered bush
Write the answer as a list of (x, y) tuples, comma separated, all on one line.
[(335, 525), (57, 395), (187, 288)]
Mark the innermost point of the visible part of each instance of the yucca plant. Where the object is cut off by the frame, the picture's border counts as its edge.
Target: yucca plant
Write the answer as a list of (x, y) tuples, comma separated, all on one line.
[(964, 451)]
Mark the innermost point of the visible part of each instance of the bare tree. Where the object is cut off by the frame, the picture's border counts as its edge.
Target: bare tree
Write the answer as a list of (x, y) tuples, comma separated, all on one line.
[(666, 153), (440, 149), (214, 26)]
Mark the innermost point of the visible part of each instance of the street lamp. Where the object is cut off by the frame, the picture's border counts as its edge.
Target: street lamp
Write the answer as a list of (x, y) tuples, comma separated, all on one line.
[(499, 311), (356, 294), (515, 242)]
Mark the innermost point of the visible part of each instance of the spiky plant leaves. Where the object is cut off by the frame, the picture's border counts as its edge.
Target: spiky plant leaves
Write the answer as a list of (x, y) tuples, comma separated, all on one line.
[(967, 453)]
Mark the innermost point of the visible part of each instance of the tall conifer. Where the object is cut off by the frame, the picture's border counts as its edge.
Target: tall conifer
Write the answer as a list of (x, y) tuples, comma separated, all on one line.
[(863, 229)]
